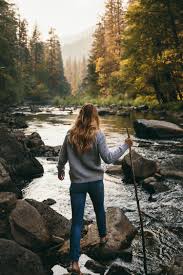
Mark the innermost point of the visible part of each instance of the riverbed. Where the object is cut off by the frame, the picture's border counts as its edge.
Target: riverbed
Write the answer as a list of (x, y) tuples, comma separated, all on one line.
[(163, 219)]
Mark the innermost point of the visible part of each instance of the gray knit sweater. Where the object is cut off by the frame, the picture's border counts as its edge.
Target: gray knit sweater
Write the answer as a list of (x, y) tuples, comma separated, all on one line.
[(87, 167)]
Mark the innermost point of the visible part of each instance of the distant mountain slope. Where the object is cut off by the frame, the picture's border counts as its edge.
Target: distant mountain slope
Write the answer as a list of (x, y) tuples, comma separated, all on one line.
[(77, 46)]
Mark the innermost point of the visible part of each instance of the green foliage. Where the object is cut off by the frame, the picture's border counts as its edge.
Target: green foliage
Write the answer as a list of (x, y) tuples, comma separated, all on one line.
[(29, 68), (138, 54), (8, 53), (77, 100)]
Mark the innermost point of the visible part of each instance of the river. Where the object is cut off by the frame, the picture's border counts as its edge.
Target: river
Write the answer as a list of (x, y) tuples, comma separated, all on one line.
[(165, 241)]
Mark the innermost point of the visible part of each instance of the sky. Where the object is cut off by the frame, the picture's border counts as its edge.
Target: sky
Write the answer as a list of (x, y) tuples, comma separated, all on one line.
[(68, 17)]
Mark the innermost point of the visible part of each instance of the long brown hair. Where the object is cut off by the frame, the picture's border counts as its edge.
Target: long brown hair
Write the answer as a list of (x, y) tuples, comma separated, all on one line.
[(83, 133)]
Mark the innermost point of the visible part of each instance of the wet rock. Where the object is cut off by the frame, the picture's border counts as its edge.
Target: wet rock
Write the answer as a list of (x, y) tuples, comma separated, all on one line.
[(5, 179), (177, 266), (104, 111), (55, 159), (35, 109), (143, 168), (156, 129), (95, 267), (114, 170), (172, 167), (27, 226), (124, 114), (4, 228), (16, 260), (18, 158), (116, 269), (49, 202), (153, 186), (142, 108), (120, 234), (7, 202), (13, 121), (18, 122), (6, 183), (34, 140), (56, 224)]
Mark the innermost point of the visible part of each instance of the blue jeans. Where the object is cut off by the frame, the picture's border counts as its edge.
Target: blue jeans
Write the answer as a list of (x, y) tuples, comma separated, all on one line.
[(78, 192)]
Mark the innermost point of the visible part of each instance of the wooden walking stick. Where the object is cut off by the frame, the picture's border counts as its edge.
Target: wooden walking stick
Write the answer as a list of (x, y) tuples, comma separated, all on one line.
[(138, 206)]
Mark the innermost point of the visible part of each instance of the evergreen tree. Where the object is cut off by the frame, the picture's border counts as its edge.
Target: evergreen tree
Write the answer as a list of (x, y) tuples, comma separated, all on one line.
[(23, 59), (8, 53), (57, 82)]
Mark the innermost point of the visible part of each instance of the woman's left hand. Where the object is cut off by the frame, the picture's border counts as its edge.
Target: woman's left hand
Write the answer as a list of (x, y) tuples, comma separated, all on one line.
[(61, 175)]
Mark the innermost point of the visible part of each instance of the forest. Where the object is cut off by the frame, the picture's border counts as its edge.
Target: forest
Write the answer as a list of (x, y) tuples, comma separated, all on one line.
[(136, 57), (29, 67), (137, 53)]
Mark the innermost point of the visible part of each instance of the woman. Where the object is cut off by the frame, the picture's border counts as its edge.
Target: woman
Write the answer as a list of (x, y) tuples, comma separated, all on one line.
[(83, 148)]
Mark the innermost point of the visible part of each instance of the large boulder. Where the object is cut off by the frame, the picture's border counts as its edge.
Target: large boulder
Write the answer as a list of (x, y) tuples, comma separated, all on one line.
[(143, 168), (16, 260), (156, 129), (17, 156), (120, 234), (27, 226), (56, 224)]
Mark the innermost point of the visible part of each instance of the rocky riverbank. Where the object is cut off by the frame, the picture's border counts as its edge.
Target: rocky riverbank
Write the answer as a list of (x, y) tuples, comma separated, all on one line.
[(41, 241)]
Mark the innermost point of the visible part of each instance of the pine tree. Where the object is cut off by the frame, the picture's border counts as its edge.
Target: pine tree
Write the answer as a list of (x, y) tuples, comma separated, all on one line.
[(57, 82), (8, 53), (23, 59)]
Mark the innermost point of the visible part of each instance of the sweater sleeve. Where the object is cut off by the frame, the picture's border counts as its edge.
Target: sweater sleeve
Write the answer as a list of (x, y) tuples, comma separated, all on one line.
[(62, 155), (109, 155)]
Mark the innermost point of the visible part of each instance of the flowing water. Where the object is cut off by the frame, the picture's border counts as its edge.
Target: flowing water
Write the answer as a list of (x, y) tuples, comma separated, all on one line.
[(163, 219)]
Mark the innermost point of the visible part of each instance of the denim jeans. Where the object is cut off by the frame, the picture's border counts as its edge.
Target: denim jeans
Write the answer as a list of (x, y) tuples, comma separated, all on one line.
[(78, 192)]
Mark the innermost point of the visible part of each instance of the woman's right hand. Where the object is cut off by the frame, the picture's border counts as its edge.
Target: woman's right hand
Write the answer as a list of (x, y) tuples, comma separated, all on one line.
[(129, 142), (61, 175)]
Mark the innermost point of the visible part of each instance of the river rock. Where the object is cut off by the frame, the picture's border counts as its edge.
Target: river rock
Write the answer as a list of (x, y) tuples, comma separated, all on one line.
[(95, 267), (104, 111), (114, 170), (156, 129), (143, 168), (7, 202), (124, 114), (56, 224), (13, 121), (142, 108), (49, 202), (5, 179), (16, 260), (153, 186), (27, 226), (116, 269), (172, 167), (6, 183), (34, 140), (120, 234), (177, 266), (18, 158)]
